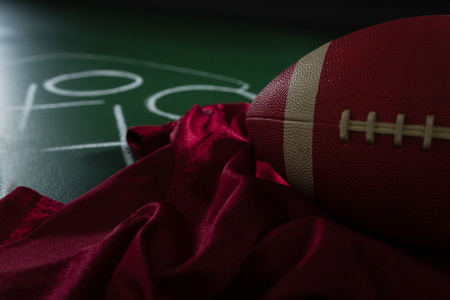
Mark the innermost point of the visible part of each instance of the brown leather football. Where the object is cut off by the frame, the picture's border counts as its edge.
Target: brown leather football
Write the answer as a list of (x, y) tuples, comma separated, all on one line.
[(361, 125)]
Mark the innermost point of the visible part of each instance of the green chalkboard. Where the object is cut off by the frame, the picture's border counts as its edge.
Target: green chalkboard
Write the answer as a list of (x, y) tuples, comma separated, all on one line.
[(74, 77)]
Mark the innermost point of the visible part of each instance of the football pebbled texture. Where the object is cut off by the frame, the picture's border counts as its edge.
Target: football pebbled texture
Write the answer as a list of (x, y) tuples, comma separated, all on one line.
[(361, 125)]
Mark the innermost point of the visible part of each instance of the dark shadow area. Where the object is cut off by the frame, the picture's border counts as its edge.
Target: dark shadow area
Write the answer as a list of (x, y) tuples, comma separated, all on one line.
[(346, 15)]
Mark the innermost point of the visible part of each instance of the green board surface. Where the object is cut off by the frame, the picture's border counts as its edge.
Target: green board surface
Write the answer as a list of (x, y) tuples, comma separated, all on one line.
[(74, 77)]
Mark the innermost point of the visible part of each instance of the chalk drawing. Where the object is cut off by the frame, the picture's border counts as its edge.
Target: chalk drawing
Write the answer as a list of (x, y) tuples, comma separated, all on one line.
[(150, 102), (238, 87), (50, 84)]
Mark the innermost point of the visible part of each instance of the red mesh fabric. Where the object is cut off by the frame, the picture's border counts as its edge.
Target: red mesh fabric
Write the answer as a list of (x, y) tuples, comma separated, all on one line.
[(191, 220), (22, 212)]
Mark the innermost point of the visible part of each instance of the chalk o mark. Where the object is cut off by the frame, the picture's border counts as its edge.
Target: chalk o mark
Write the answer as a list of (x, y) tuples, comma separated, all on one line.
[(150, 102), (50, 84)]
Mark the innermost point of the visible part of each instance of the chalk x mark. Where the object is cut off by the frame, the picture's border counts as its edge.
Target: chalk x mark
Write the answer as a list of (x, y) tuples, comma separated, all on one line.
[(29, 99), (122, 127)]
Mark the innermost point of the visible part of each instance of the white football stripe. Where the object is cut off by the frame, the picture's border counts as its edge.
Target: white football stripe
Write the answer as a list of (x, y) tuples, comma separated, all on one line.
[(299, 119)]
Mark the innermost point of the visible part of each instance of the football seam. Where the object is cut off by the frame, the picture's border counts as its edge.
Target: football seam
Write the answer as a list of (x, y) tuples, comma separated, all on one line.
[(427, 131)]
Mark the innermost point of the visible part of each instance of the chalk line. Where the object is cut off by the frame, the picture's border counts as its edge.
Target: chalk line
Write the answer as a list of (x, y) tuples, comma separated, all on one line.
[(83, 146), (29, 99), (55, 105), (122, 127), (129, 61)]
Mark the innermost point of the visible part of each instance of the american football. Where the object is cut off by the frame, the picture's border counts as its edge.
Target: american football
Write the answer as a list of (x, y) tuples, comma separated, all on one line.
[(361, 126)]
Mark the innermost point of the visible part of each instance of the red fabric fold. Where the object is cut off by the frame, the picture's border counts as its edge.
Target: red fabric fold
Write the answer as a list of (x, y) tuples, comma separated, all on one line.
[(22, 211), (199, 216)]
